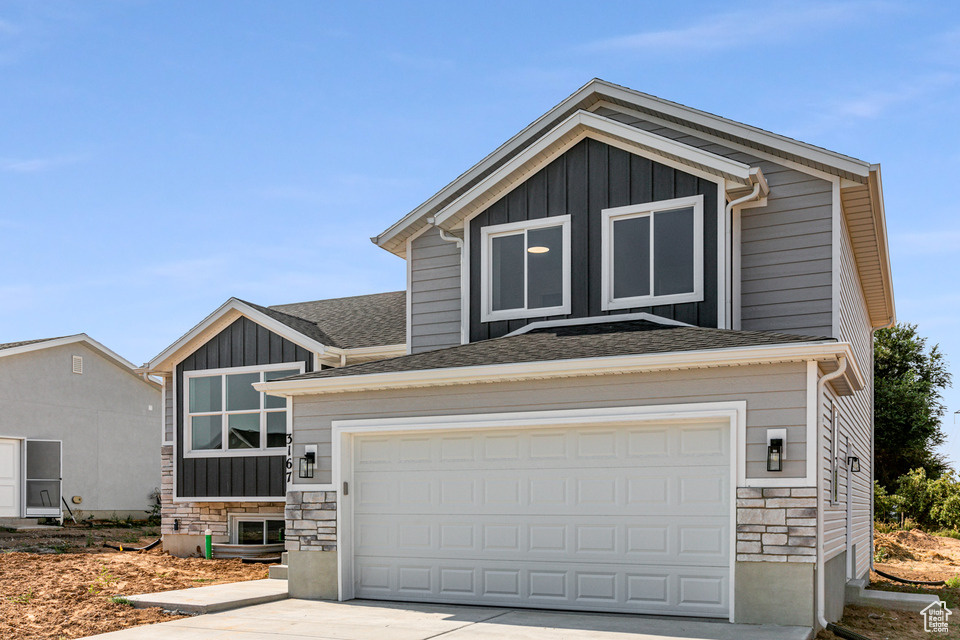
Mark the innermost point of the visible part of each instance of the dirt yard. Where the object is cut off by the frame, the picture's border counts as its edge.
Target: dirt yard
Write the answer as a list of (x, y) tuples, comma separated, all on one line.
[(62, 583), (917, 556)]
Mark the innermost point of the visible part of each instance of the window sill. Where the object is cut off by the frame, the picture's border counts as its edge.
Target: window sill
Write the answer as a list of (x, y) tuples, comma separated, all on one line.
[(239, 453), (651, 301), (523, 314)]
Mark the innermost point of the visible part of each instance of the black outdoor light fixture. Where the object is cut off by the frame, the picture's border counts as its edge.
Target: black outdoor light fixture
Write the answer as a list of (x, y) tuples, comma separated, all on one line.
[(853, 464), (309, 461), (775, 455)]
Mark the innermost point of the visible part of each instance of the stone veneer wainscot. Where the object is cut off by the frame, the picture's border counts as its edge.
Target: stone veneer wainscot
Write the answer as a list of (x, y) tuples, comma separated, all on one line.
[(777, 525)]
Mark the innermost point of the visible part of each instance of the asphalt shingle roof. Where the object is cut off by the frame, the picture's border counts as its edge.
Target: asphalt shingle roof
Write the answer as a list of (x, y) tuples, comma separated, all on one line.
[(23, 343), (571, 342), (358, 321)]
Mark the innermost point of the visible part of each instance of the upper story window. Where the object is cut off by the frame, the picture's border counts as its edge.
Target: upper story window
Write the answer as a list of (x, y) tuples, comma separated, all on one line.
[(525, 269), (226, 414), (652, 253)]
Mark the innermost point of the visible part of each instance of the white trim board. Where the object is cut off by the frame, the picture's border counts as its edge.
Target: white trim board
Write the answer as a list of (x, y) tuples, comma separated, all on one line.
[(576, 322), (342, 432), (574, 367), (79, 338)]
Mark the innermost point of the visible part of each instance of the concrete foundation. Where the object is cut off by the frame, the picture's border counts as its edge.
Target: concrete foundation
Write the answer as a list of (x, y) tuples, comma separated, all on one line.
[(775, 593), (312, 575), (835, 571), (187, 545)]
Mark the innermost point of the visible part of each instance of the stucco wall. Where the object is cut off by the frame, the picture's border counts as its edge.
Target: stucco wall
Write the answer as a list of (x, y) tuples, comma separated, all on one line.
[(108, 420)]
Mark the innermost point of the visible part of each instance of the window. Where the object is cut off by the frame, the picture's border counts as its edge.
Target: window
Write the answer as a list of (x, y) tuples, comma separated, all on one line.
[(226, 414), (525, 269), (652, 253), (257, 529)]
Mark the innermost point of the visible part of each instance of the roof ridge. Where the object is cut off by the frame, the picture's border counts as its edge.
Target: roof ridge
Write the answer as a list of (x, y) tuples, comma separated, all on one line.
[(364, 295)]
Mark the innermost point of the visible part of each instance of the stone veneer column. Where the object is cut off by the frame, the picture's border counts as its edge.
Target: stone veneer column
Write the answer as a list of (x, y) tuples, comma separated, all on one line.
[(777, 525), (311, 521)]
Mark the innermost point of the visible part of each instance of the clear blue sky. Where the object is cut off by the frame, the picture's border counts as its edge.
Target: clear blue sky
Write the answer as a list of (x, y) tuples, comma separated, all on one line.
[(157, 158)]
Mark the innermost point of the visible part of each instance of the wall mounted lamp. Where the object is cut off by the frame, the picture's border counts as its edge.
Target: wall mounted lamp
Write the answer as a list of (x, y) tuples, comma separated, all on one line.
[(308, 463), (853, 464)]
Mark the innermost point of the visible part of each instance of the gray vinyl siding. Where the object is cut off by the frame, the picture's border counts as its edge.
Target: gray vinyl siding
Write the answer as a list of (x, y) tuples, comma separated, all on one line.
[(168, 408), (775, 396), (434, 291), (786, 255), (855, 416), (244, 343)]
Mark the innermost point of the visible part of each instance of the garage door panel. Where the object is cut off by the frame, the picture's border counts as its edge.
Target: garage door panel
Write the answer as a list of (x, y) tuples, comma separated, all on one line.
[(679, 444), (602, 587), (629, 518), (683, 540), (642, 492)]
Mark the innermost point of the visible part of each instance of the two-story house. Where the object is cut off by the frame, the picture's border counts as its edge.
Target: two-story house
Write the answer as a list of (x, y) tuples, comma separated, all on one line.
[(638, 379)]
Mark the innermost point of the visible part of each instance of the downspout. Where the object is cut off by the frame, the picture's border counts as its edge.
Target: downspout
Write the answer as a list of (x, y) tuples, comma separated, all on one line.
[(821, 562), (759, 185), (444, 235)]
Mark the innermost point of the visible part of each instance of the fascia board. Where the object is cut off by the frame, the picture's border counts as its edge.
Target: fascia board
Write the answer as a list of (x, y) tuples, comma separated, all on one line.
[(883, 248), (165, 359), (59, 342), (591, 122), (568, 368)]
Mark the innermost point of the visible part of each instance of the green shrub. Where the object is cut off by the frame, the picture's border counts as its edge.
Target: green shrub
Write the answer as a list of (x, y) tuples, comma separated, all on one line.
[(886, 507)]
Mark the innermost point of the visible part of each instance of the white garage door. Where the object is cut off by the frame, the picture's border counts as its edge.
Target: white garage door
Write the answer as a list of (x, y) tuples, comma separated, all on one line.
[(626, 518)]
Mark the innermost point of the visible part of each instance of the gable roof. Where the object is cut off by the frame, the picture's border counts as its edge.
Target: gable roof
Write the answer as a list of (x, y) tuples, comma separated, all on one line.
[(28, 346), (321, 326), (860, 180), (565, 351)]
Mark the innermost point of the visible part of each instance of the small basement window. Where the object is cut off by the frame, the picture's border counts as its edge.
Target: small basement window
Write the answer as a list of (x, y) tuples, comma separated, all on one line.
[(652, 254), (254, 529), (525, 269)]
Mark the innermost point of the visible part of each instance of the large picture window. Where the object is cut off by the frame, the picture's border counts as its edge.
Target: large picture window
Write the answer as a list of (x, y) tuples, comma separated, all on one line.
[(227, 416), (526, 269), (653, 253)]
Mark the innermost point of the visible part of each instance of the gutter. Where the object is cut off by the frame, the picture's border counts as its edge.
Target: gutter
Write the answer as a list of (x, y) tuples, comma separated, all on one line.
[(821, 561), (573, 367)]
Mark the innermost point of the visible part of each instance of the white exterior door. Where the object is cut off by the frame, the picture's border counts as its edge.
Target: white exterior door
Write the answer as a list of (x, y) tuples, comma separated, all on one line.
[(632, 518), (9, 478)]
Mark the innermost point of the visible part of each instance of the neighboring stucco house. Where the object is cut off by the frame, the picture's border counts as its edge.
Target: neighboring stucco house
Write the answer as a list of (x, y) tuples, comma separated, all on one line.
[(639, 379), (226, 447), (77, 421)]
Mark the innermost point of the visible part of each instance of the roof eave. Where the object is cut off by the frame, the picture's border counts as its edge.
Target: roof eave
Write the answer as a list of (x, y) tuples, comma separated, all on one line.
[(821, 350)]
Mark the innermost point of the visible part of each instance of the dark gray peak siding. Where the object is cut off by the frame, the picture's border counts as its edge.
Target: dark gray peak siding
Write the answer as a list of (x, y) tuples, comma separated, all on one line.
[(242, 344), (587, 178), (598, 340)]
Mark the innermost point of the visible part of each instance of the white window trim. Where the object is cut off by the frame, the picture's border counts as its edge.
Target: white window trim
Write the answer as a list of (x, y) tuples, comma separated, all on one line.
[(648, 209), (487, 314), (235, 518), (224, 452)]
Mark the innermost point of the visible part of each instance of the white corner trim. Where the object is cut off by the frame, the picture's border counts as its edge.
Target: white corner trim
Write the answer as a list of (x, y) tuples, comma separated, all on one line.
[(583, 124), (549, 369), (576, 322)]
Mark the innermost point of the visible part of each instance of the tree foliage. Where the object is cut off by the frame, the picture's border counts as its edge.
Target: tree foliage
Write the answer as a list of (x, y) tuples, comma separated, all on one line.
[(908, 381)]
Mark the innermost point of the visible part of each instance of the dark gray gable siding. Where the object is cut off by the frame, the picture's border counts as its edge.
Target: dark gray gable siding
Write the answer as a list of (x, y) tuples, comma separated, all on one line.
[(244, 343), (587, 178)]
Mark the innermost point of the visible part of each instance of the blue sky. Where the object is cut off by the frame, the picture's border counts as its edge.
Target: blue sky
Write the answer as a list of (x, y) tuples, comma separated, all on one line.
[(157, 158)]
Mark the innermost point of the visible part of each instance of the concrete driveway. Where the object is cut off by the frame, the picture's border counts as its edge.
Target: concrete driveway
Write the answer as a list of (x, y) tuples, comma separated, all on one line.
[(364, 619)]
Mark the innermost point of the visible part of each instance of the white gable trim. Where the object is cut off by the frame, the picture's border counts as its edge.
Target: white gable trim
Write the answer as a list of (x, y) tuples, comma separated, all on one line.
[(575, 128), (80, 338), (228, 312)]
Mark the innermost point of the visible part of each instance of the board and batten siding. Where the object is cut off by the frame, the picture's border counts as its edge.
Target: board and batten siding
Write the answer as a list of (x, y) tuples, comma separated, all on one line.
[(583, 181), (785, 248), (434, 291), (855, 421), (242, 344), (775, 396)]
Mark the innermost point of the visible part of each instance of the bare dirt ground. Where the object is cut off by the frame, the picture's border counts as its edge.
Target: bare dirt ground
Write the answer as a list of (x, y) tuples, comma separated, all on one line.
[(914, 555), (62, 583)]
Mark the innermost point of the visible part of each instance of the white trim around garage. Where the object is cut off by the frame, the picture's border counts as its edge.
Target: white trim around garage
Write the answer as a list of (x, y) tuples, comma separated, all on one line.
[(343, 431)]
